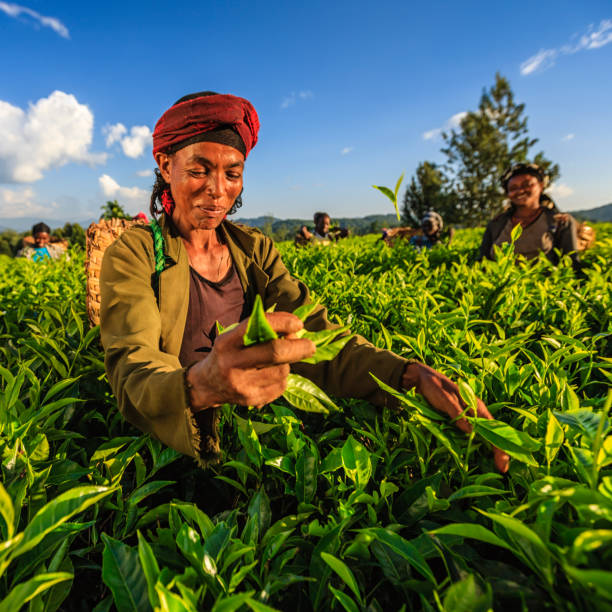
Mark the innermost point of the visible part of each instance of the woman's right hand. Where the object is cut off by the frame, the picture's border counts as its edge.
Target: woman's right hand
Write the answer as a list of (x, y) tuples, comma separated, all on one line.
[(249, 376)]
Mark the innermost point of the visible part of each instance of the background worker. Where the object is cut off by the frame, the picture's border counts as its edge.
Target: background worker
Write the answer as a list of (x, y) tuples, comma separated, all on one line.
[(322, 230), (432, 232), (545, 229), (39, 247)]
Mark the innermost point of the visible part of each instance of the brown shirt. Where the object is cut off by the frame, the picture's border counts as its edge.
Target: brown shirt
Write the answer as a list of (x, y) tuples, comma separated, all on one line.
[(535, 237), (209, 302)]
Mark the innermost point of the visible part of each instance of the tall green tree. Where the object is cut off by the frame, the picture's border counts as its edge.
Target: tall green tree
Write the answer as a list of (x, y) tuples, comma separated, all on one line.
[(113, 210), (428, 190), (487, 142), (72, 232)]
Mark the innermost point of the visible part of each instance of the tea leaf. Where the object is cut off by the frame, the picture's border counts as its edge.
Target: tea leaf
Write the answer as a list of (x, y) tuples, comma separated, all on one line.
[(58, 511), (465, 596), (305, 395), (258, 329), (516, 443), (344, 572), (554, 437), (305, 475), (356, 462), (123, 575), (150, 568), (403, 548), (26, 591)]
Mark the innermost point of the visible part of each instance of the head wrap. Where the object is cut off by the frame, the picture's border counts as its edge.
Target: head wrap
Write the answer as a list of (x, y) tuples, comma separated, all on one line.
[(434, 216), (523, 168), (190, 119)]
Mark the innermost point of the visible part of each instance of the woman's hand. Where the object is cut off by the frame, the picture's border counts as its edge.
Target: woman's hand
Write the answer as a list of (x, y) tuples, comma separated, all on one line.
[(249, 376), (443, 395)]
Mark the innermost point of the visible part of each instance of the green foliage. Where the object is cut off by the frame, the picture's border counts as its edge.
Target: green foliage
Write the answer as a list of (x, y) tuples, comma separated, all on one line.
[(355, 509), (392, 195), (427, 190), (113, 210), (258, 329), (72, 232)]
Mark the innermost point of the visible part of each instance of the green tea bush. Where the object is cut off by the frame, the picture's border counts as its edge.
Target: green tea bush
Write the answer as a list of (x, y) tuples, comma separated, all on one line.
[(359, 509)]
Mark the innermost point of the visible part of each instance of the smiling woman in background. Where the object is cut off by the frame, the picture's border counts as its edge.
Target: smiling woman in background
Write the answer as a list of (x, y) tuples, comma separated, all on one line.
[(544, 227), (39, 247), (163, 287)]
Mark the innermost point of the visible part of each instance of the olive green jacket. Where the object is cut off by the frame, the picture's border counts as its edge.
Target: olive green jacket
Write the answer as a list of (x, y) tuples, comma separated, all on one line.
[(142, 338)]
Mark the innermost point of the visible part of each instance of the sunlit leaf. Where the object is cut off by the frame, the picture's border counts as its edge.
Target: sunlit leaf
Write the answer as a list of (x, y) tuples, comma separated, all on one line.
[(258, 329)]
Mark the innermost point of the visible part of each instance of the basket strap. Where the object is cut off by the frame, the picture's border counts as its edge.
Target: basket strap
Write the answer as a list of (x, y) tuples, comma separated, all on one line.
[(160, 259)]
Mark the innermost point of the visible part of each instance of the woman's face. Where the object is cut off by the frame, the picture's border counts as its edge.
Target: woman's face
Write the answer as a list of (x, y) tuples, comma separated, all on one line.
[(205, 179), (41, 239), (323, 224), (524, 190)]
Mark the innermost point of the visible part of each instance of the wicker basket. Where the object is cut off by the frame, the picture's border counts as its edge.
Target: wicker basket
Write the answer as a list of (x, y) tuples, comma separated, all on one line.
[(99, 236)]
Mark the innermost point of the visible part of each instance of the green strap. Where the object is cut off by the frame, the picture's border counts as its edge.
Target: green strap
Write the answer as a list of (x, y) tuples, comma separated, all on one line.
[(160, 259), (158, 247)]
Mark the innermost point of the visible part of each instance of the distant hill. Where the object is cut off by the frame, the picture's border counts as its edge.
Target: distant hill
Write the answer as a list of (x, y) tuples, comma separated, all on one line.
[(24, 224), (602, 214)]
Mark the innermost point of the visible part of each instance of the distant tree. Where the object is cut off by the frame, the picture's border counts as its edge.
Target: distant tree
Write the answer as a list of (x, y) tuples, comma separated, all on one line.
[(375, 227), (487, 142), (427, 190), (5, 247), (266, 228), (281, 232), (11, 241), (72, 232), (113, 210)]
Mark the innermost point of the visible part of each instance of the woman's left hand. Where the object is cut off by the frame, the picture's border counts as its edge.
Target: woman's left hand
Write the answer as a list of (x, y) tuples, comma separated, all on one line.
[(444, 396)]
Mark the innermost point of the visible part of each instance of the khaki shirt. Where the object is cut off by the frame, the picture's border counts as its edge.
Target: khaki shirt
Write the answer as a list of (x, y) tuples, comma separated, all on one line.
[(563, 235), (142, 338), (534, 238)]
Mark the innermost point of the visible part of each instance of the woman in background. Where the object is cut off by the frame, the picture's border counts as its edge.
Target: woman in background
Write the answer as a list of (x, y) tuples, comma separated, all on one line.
[(38, 247), (545, 229)]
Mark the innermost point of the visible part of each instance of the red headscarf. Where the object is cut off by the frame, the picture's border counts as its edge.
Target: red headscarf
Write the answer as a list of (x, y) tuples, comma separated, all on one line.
[(199, 115)]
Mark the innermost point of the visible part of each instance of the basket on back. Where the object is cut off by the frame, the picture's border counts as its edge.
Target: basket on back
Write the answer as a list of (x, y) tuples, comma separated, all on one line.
[(99, 236)]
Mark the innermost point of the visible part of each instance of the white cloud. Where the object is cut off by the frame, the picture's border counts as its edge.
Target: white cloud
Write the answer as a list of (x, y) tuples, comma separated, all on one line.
[(544, 58), (52, 132), (133, 142), (560, 190), (596, 38), (431, 134), (15, 10), (114, 133), (593, 38), (144, 173), (132, 199), (568, 137), (22, 202), (346, 150), (293, 97), (134, 145), (452, 123)]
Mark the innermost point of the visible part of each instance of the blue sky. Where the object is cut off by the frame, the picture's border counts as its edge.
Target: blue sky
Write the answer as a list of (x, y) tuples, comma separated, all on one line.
[(349, 94)]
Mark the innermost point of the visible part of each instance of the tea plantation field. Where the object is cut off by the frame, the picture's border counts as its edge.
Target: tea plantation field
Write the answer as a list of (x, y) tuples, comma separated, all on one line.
[(361, 509)]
